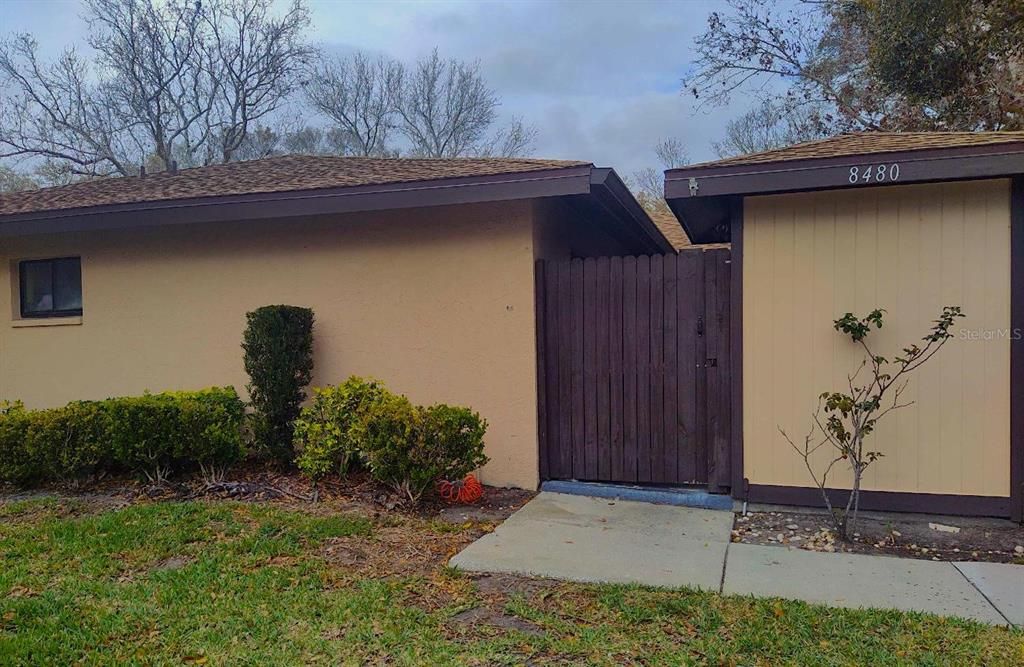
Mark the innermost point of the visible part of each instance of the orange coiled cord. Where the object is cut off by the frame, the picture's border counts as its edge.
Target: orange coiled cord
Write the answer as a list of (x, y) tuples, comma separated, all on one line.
[(465, 491)]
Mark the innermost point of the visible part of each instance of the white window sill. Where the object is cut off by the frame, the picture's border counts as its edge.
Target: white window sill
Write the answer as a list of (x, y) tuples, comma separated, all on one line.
[(47, 322)]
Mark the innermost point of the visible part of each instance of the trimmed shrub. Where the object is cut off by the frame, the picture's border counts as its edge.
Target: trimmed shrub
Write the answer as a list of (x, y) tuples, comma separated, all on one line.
[(154, 435), (454, 440), (329, 431), (16, 465), (391, 446), (210, 423), (72, 443), (411, 448), (278, 344), (144, 434)]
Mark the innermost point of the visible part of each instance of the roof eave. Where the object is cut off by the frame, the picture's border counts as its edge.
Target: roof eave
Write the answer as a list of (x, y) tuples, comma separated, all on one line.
[(616, 198), (302, 203), (700, 195)]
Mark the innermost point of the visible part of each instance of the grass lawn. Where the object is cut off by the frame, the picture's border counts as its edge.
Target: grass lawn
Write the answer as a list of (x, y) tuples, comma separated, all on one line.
[(226, 583)]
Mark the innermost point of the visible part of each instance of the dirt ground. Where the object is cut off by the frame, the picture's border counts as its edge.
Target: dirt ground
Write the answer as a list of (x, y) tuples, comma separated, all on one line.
[(907, 536), (261, 482)]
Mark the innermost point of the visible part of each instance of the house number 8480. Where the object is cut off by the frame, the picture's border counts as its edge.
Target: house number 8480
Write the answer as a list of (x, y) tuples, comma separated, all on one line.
[(874, 173)]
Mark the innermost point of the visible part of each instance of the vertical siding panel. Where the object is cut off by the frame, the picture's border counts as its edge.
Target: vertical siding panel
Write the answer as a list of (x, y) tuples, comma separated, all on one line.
[(801, 338), (629, 369), (782, 333), (910, 250), (824, 338), (886, 473), (907, 298), (952, 365), (928, 379), (996, 439), (844, 297), (615, 370), (996, 398), (972, 429), (757, 348)]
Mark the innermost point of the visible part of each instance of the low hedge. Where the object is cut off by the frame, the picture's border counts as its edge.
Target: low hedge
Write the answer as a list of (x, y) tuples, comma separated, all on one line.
[(406, 446), (153, 434)]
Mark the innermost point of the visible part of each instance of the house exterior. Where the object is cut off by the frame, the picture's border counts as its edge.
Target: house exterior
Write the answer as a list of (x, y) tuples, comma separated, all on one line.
[(420, 273), (904, 222)]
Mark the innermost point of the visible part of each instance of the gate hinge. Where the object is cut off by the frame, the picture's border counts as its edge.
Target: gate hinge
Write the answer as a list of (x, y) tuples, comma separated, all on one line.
[(700, 326)]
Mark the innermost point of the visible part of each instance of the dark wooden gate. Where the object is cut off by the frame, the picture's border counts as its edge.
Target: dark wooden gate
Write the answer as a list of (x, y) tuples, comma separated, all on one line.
[(633, 368)]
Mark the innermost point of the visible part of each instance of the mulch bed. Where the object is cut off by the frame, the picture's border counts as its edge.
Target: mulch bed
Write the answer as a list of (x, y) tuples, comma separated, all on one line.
[(957, 539), (263, 482)]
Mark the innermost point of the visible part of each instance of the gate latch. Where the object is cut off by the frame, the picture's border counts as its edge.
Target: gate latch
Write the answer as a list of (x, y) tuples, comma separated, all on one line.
[(700, 326), (710, 362), (694, 187)]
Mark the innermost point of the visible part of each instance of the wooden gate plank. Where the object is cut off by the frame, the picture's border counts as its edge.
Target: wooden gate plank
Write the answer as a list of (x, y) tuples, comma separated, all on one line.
[(643, 364), (543, 404), (615, 364), (627, 389), (658, 369), (603, 325), (700, 440), (578, 419), (689, 276), (669, 468), (630, 447), (552, 351), (564, 337), (718, 406), (590, 367)]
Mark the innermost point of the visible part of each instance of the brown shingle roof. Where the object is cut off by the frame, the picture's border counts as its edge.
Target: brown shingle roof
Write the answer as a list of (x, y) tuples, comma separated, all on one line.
[(277, 174), (865, 143), (666, 222)]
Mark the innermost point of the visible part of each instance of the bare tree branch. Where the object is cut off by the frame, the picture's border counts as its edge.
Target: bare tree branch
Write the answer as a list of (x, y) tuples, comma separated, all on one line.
[(445, 107), (360, 96)]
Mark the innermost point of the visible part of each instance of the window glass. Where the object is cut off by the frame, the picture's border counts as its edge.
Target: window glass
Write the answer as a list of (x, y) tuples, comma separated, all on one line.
[(36, 288), (51, 287), (67, 284)]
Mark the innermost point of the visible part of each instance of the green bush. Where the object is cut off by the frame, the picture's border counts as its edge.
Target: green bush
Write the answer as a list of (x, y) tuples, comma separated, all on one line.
[(72, 443), (329, 431), (278, 344), (154, 435), (454, 440), (16, 465), (406, 446), (210, 424)]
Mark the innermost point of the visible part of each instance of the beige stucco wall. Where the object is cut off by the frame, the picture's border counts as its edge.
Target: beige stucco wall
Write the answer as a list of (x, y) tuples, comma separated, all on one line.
[(809, 258), (436, 302)]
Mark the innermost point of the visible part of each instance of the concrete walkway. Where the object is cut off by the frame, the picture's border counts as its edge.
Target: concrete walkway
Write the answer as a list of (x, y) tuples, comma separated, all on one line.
[(605, 540)]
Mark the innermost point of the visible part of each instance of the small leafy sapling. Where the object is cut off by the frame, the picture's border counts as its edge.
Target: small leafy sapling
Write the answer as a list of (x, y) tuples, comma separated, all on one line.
[(844, 419)]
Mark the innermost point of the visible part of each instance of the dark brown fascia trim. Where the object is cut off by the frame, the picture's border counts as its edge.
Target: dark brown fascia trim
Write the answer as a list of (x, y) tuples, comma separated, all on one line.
[(921, 166), (736, 343), (883, 501), (617, 198), (1017, 348), (440, 192)]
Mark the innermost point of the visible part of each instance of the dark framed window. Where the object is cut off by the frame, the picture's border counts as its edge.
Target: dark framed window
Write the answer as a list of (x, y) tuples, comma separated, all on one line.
[(51, 287)]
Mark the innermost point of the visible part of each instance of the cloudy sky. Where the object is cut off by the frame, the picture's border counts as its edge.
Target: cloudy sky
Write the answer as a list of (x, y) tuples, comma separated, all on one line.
[(599, 79)]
